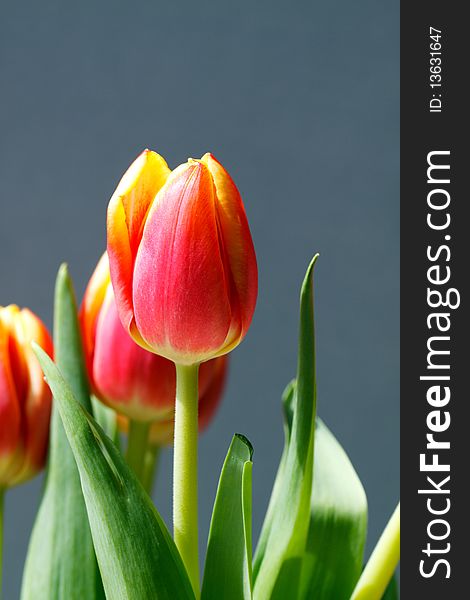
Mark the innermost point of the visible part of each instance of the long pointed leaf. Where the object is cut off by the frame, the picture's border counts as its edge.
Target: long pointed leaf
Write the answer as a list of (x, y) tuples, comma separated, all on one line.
[(228, 572), (280, 567), (61, 561), (137, 557)]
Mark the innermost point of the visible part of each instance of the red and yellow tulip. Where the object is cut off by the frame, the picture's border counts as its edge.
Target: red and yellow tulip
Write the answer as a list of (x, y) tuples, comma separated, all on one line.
[(182, 260), (25, 399), (185, 279)]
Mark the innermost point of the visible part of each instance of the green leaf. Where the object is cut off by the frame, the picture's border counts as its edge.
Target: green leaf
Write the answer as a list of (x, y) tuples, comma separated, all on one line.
[(287, 399), (328, 564), (391, 593), (338, 526), (137, 557), (278, 568), (334, 550), (227, 571), (61, 561), (107, 419)]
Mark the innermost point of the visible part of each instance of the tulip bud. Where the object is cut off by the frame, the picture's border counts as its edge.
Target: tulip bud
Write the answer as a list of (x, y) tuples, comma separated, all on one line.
[(134, 382), (182, 260), (25, 398)]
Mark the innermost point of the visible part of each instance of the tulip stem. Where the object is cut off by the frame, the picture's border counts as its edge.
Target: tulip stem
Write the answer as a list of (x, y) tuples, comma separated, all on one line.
[(137, 447), (382, 563), (151, 460), (185, 506), (2, 505)]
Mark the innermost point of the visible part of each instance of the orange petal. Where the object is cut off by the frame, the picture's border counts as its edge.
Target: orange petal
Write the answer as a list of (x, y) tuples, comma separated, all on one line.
[(10, 415), (36, 403), (92, 303), (127, 212), (237, 242)]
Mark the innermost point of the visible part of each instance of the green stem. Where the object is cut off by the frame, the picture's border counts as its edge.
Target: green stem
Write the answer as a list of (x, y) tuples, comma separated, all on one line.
[(150, 462), (185, 521), (137, 447), (382, 563), (2, 505)]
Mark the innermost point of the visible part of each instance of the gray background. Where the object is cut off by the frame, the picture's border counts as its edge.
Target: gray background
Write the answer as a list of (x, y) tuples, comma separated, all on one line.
[(300, 101)]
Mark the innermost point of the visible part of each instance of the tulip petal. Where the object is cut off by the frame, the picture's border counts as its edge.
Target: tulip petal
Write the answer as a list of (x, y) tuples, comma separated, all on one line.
[(127, 210), (37, 401), (237, 242), (210, 399), (10, 415), (91, 305), (181, 295)]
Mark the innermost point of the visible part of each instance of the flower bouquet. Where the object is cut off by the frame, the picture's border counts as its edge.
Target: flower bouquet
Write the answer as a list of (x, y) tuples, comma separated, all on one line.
[(142, 365)]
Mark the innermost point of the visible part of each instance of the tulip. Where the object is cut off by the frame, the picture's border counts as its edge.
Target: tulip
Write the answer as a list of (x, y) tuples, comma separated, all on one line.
[(25, 401), (182, 260), (25, 398), (184, 274), (134, 382)]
